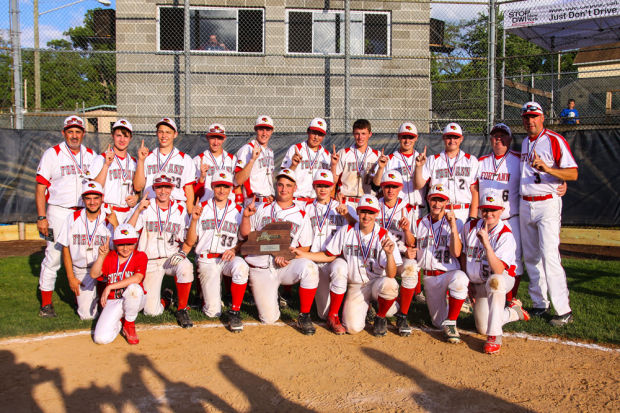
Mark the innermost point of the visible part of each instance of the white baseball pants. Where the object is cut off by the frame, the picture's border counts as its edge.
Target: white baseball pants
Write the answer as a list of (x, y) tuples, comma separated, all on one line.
[(56, 217), (359, 297), (210, 276), (490, 312), (155, 271), (435, 289), (109, 323), (87, 300)]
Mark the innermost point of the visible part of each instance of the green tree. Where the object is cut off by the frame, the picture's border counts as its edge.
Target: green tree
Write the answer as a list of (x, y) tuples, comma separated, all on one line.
[(6, 79)]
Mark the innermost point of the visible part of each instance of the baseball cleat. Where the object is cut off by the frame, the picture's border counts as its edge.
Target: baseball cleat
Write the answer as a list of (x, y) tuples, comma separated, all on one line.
[(404, 329), (539, 312), (518, 307), (420, 298), (234, 321), (167, 298), (379, 328), (129, 332), (371, 314), (333, 322), (493, 344), (467, 307), (451, 333), (183, 319), (561, 320), (304, 322), (47, 311)]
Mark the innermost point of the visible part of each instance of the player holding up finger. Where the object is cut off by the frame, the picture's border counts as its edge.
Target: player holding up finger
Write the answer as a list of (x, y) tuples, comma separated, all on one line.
[(115, 169), (489, 261), (163, 223), (82, 234), (123, 297), (438, 249), (215, 225)]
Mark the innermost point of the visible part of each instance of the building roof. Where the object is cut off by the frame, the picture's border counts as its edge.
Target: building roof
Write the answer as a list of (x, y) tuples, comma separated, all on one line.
[(604, 53)]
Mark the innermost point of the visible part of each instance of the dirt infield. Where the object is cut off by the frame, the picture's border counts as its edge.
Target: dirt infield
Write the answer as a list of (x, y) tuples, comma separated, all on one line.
[(275, 368)]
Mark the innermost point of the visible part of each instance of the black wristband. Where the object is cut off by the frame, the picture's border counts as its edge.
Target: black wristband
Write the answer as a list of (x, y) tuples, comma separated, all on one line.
[(41, 217)]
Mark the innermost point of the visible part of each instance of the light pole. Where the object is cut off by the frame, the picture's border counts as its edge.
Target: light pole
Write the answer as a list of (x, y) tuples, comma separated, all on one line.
[(37, 61)]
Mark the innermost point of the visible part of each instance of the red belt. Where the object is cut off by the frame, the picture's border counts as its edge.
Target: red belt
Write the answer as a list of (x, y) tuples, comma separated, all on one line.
[(261, 199), (303, 198), (355, 199), (537, 198), (212, 255), (433, 273), (458, 206), (76, 208), (120, 209)]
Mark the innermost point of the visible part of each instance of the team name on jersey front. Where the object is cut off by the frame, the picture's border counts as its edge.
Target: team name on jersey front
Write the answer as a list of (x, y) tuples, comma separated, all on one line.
[(458, 171)]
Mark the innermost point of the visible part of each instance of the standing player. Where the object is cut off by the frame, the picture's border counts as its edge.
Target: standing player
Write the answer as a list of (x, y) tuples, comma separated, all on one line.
[(455, 170), (81, 235), (114, 171), (438, 248), (60, 175), (169, 161), (215, 224), (123, 297), (267, 272), (546, 161), (306, 158), (351, 166), (489, 261), (371, 260), (213, 159), (163, 223), (254, 170)]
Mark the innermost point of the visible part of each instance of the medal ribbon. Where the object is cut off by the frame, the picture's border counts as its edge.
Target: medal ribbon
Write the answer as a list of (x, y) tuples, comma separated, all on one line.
[(160, 166), (215, 162), (531, 151), (124, 268), (358, 166), (125, 172), (89, 236), (451, 169), (219, 224), (409, 169), (162, 229), (391, 217), (320, 223), (481, 249), (437, 237), (365, 249), (75, 162), (316, 157), (496, 165)]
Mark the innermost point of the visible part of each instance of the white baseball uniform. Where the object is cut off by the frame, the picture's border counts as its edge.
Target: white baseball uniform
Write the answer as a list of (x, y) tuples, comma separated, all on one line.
[(366, 262), (457, 175), (260, 182), (490, 289), (177, 165), (504, 174), (311, 161), (62, 173), (441, 270), (123, 302), (540, 213), (217, 231), (405, 164), (265, 276), (225, 160), (354, 168), (83, 238), (118, 183), (162, 233)]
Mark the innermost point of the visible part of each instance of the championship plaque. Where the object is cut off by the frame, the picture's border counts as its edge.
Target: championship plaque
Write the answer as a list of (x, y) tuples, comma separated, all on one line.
[(274, 239)]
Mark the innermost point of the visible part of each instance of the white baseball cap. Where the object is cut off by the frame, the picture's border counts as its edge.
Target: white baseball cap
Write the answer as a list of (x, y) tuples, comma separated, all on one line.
[(491, 199), (216, 129), (74, 122), (318, 125), (288, 173), (169, 122), (501, 127), (368, 203), (125, 234), (122, 123), (438, 190), (263, 121), (531, 108), (92, 188), (453, 128), (163, 180), (222, 177), (323, 177), (408, 128), (392, 177)]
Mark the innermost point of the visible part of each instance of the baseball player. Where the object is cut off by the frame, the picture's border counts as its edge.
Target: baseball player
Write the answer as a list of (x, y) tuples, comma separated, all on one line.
[(306, 158), (81, 235), (546, 161), (254, 170), (455, 170), (60, 174), (115, 169), (215, 225), (438, 248), (267, 272), (169, 161), (163, 223), (371, 259), (123, 297), (352, 166), (489, 261), (212, 159)]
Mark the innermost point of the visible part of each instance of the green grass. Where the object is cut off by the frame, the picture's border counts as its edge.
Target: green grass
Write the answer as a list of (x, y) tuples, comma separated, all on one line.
[(593, 286)]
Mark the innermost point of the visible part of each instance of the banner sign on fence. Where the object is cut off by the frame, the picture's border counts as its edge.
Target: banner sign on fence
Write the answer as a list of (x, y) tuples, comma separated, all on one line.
[(563, 11)]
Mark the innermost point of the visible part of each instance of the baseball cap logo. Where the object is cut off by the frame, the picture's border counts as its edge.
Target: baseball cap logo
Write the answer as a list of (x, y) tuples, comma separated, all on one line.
[(439, 188), (222, 175), (408, 127), (124, 232), (323, 175), (264, 119), (453, 127), (91, 185), (75, 120), (166, 120), (320, 123), (286, 171), (368, 200), (239, 162), (490, 199), (391, 176), (123, 122)]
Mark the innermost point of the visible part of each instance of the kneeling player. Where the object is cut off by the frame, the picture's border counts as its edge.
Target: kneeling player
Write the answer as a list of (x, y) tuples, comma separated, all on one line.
[(163, 224), (123, 297), (489, 259), (439, 245), (215, 224)]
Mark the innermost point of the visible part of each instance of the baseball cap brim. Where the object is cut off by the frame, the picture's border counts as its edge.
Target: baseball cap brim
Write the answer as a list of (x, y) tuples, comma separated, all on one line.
[(222, 135), (74, 125), (453, 134), (167, 124), (157, 185), (496, 207), (263, 125), (213, 183), (311, 128), (286, 176), (93, 192), (322, 182), (442, 196), (531, 113), (391, 183), (367, 208), (408, 134), (125, 241)]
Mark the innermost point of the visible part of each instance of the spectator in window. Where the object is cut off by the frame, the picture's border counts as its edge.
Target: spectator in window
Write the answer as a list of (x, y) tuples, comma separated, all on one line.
[(570, 115), (213, 44)]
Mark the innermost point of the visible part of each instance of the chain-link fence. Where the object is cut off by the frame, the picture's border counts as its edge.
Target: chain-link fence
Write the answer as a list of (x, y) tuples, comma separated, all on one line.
[(388, 61)]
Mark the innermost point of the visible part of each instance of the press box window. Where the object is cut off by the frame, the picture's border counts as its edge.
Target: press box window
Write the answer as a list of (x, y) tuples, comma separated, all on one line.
[(219, 30), (321, 32)]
